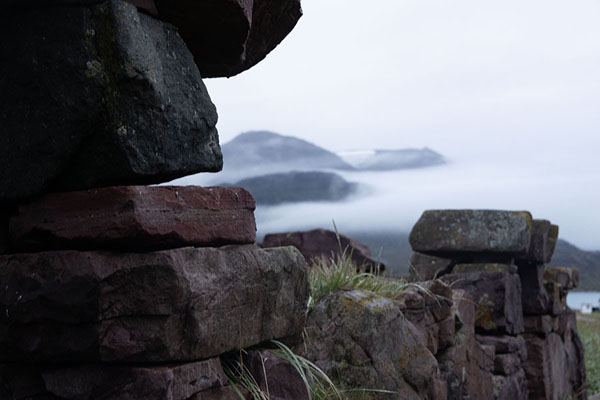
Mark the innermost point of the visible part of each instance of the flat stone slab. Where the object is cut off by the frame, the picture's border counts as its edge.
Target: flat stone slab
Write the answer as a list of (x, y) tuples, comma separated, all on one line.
[(497, 297), (168, 306), (135, 218), (99, 95), (168, 382), (472, 231)]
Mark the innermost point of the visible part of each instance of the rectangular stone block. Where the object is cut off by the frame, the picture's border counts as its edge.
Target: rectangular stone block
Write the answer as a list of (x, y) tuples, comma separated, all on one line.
[(497, 297), (534, 297), (511, 387), (543, 242), (558, 298), (492, 267), (475, 231), (167, 306), (540, 324), (424, 267), (505, 344), (135, 218), (123, 382)]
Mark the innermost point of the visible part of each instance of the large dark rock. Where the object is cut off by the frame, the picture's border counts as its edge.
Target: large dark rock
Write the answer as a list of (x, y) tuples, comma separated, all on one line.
[(227, 37), (167, 306), (362, 340), (297, 186), (276, 376), (324, 243), (99, 96), (566, 278), (135, 218), (172, 382), (511, 387), (505, 344), (472, 231), (534, 297), (497, 296)]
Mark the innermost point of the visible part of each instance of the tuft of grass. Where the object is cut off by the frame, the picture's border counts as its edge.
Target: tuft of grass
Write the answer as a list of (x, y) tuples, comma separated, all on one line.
[(318, 384), (589, 331), (339, 272)]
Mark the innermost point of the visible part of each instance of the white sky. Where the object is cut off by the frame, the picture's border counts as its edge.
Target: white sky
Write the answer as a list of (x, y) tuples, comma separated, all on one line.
[(512, 82)]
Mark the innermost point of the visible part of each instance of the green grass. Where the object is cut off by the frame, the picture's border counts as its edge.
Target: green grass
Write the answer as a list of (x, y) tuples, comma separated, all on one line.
[(589, 330), (339, 272)]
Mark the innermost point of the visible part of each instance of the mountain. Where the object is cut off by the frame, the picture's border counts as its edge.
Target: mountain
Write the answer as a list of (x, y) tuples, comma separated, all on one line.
[(297, 186), (386, 160), (588, 262)]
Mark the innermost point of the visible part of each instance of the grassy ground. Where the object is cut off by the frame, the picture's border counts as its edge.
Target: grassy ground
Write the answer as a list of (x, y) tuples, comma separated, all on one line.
[(589, 330)]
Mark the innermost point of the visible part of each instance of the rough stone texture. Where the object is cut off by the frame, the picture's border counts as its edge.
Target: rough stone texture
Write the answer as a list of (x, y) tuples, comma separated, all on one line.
[(493, 267), (227, 37), (324, 243), (547, 368), (424, 267), (429, 309), (543, 241), (558, 298), (363, 341), (505, 345), (173, 382), (497, 296), (135, 218), (4, 237), (567, 278), (575, 355), (218, 393), (276, 376), (481, 231), (534, 297), (507, 364), (167, 306), (542, 324), (99, 96), (466, 366), (513, 387)]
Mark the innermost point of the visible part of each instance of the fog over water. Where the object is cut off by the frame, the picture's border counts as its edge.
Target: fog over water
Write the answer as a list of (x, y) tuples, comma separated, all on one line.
[(508, 91)]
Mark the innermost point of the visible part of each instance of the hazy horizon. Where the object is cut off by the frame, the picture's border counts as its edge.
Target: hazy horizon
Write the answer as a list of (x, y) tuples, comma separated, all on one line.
[(511, 89)]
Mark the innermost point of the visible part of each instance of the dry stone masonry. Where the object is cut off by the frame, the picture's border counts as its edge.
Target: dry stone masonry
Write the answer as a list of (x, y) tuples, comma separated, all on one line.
[(109, 289), (496, 258)]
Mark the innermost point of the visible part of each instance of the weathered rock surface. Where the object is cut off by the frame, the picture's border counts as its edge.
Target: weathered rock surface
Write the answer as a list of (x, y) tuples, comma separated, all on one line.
[(541, 324), (173, 382), (227, 37), (534, 297), (543, 241), (135, 218), (468, 231), (99, 96), (429, 309), (276, 376), (424, 267), (323, 243), (505, 344), (362, 340), (497, 296), (466, 366), (566, 278), (168, 306), (476, 267), (511, 387)]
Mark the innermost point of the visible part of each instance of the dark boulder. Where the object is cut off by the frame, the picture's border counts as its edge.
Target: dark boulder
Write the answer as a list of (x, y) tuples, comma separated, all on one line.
[(543, 241), (472, 231), (167, 306), (534, 297), (227, 37), (324, 243), (423, 267), (111, 382), (135, 218), (99, 96)]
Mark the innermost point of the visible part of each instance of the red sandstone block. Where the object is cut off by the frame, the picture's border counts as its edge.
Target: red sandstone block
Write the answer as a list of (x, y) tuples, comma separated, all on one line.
[(135, 218)]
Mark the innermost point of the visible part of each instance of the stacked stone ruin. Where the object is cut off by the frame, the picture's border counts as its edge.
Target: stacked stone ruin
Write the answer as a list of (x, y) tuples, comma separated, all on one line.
[(522, 323), (111, 289)]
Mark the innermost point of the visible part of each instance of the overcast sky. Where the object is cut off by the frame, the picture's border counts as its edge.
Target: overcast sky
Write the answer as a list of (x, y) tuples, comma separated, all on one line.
[(498, 82)]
